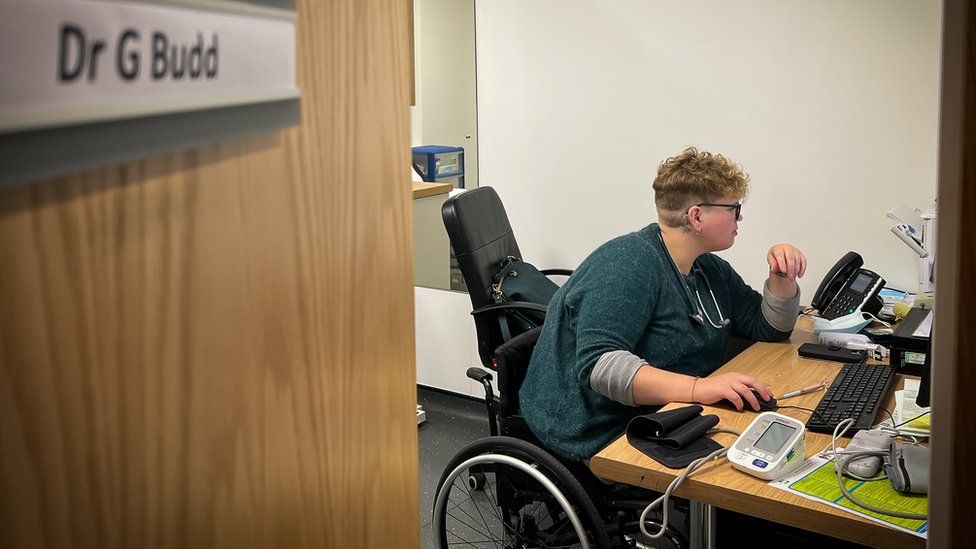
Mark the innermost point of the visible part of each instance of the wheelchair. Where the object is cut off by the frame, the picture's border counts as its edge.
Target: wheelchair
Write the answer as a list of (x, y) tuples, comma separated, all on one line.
[(507, 490)]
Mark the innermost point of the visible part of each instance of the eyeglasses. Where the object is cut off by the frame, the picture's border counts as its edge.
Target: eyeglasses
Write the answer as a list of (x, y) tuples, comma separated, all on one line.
[(730, 207)]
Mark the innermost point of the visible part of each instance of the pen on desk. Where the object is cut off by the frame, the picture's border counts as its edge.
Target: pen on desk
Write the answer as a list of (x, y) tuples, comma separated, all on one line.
[(802, 391)]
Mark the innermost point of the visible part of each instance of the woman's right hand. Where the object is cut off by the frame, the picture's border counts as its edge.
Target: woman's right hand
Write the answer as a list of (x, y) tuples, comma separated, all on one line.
[(733, 387)]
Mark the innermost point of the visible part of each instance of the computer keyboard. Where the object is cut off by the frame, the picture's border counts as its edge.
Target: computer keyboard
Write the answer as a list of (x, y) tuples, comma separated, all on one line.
[(856, 392)]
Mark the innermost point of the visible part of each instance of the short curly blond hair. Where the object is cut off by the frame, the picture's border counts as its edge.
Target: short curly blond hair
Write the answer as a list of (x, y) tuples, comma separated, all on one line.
[(694, 177)]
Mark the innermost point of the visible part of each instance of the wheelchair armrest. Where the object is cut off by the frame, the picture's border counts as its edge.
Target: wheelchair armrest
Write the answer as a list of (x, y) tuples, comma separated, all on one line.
[(478, 375), (525, 305), (563, 272), (484, 378)]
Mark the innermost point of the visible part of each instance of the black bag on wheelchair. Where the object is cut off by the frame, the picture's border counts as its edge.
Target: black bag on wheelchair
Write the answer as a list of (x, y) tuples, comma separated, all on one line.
[(521, 281)]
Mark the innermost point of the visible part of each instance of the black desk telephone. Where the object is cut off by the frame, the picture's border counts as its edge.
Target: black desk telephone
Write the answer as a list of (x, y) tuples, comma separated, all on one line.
[(848, 288)]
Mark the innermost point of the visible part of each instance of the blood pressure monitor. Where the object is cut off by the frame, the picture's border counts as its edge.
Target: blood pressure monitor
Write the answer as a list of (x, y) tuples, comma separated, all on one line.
[(771, 447)]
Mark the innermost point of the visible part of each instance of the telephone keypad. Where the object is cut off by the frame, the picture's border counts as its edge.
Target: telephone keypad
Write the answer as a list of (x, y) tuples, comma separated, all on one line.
[(845, 304)]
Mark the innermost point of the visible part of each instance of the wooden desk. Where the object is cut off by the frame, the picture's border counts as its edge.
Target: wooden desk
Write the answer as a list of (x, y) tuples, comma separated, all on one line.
[(424, 190), (718, 484)]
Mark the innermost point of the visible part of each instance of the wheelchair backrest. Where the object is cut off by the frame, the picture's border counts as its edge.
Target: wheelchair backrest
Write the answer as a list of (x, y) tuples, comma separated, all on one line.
[(482, 238)]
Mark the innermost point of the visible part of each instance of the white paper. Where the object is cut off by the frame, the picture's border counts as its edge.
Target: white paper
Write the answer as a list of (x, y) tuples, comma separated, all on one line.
[(906, 409), (925, 327)]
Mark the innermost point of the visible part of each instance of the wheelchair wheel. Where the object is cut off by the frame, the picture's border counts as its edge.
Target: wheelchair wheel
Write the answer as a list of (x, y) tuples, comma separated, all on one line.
[(529, 499)]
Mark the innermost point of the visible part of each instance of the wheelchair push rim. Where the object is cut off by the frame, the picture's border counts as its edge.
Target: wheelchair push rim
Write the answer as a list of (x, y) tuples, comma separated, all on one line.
[(488, 460), (526, 511)]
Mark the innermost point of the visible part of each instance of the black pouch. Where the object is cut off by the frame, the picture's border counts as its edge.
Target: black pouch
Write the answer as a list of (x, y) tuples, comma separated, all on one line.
[(673, 438), (521, 281)]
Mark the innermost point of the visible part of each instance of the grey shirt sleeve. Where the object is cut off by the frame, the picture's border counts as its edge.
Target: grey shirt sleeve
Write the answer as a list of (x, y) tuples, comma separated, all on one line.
[(613, 375), (780, 313)]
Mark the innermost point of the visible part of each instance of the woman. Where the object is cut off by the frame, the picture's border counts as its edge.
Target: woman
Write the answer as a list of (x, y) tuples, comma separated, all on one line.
[(646, 316)]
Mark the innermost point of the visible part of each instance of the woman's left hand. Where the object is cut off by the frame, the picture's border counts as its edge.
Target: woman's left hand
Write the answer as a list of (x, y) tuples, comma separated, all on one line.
[(787, 261)]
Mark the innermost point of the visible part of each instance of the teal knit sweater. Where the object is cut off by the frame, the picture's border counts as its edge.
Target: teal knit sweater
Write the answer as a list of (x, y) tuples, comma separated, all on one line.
[(626, 296)]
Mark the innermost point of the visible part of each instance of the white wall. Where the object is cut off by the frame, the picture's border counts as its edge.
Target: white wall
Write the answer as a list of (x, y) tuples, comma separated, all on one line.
[(446, 344), (831, 106)]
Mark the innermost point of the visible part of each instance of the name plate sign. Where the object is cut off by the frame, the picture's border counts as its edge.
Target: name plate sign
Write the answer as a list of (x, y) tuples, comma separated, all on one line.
[(70, 61), (85, 83)]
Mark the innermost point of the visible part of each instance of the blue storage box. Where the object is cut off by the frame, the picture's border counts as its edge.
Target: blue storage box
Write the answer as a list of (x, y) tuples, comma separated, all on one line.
[(439, 162)]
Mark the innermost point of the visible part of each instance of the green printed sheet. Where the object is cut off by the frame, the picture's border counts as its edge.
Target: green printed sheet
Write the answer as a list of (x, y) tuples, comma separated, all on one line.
[(822, 484)]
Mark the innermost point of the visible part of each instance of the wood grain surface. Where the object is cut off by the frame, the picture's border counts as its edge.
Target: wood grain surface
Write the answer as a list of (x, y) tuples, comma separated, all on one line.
[(215, 348), (424, 190), (959, 368), (778, 366)]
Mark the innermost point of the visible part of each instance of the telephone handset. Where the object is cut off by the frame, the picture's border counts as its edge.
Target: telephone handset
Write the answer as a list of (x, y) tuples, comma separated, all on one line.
[(848, 288)]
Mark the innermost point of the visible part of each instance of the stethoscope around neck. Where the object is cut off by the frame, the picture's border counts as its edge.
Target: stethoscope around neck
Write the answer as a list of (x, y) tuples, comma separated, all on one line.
[(701, 313), (697, 316)]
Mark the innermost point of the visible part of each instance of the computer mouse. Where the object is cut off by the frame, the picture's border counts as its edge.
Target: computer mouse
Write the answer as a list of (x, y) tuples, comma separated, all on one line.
[(764, 405)]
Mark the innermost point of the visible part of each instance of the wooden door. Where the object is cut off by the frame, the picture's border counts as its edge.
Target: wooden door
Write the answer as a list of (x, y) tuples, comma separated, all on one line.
[(216, 347)]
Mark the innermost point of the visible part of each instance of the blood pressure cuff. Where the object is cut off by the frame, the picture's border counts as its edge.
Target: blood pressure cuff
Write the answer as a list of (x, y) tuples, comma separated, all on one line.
[(673, 438), (908, 468)]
